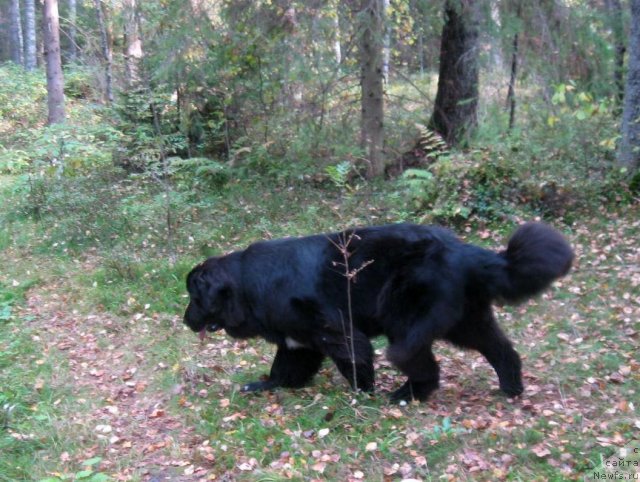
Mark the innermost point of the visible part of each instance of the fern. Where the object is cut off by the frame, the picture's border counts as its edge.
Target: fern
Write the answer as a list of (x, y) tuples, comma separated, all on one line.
[(432, 143), (339, 174)]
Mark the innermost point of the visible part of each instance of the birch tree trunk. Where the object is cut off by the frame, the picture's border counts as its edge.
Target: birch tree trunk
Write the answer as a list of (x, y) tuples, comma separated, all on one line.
[(55, 80), (337, 48), (15, 33), (30, 60), (132, 44), (629, 149), (106, 51)]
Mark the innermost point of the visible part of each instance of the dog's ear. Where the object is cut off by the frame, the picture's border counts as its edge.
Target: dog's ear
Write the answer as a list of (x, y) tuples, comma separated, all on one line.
[(229, 299), (197, 283)]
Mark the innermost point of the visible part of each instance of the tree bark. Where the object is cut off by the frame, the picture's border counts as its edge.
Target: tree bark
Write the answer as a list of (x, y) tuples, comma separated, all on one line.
[(337, 48), (106, 52), (386, 46), (55, 79), (30, 60), (511, 93), (629, 149), (15, 33), (615, 12), (455, 111), (372, 85), (132, 44), (72, 7)]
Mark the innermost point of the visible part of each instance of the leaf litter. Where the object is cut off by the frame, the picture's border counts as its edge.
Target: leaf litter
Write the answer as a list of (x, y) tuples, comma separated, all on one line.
[(579, 345)]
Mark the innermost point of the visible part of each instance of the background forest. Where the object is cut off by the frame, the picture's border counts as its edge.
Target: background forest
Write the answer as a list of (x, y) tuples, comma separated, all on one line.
[(137, 138)]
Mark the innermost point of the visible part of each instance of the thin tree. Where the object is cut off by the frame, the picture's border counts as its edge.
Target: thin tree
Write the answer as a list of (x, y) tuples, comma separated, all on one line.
[(511, 93), (106, 51), (455, 111), (30, 60), (72, 15), (55, 79), (15, 33), (386, 44), (337, 48), (615, 13), (132, 43), (372, 84), (629, 149)]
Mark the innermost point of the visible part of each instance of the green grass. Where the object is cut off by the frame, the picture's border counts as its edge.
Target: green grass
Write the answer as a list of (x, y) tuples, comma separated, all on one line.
[(32, 402), (580, 398)]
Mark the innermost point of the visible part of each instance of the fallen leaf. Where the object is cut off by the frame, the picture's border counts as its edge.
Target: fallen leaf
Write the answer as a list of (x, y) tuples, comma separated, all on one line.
[(541, 451)]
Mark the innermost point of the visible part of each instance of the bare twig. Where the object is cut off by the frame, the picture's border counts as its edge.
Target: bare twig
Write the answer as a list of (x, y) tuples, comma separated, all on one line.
[(350, 274)]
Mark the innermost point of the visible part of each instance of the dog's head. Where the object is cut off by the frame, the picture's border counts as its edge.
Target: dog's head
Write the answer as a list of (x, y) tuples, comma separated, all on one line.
[(213, 303)]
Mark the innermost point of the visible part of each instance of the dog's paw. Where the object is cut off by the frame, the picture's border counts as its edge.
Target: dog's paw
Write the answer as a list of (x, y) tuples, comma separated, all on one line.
[(413, 391), (513, 390), (259, 386)]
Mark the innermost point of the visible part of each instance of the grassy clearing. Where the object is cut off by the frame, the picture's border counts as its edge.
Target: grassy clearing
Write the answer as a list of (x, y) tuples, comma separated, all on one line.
[(579, 345), (33, 395)]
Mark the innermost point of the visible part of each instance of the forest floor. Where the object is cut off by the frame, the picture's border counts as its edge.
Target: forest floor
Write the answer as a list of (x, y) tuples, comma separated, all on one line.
[(137, 397), (122, 415)]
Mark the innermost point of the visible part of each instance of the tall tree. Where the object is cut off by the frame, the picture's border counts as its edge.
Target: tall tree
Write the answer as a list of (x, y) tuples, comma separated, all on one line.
[(72, 14), (30, 61), (15, 32), (629, 149), (337, 48), (615, 13), (372, 84), (455, 111), (55, 79), (386, 43), (132, 43), (106, 51), (511, 93)]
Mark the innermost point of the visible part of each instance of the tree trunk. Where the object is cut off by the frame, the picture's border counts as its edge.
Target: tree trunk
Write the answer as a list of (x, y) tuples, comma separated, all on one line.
[(30, 61), (337, 48), (386, 46), (55, 80), (15, 33), (494, 40), (455, 111), (72, 7), (629, 149), (372, 85), (511, 93), (615, 12), (132, 44), (106, 51)]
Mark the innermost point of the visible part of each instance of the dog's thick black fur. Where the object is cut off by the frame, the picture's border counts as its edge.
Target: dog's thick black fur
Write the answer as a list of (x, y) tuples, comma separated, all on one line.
[(414, 284)]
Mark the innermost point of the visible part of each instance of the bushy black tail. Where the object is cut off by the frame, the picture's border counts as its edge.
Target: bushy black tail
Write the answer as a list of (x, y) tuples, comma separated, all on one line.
[(536, 255)]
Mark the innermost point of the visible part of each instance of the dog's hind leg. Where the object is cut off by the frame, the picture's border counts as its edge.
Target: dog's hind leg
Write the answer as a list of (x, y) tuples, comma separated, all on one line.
[(422, 371), (481, 332), (350, 354), (292, 368)]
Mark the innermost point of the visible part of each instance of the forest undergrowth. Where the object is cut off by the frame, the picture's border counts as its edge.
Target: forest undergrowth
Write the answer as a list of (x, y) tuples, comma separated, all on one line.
[(99, 380)]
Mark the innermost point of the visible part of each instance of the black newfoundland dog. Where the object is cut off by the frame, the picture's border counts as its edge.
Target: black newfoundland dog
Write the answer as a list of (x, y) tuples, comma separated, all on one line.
[(327, 295)]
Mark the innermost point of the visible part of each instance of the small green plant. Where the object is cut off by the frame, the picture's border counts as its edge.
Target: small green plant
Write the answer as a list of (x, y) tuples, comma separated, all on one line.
[(339, 175), (199, 172), (87, 474), (6, 303), (419, 186)]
